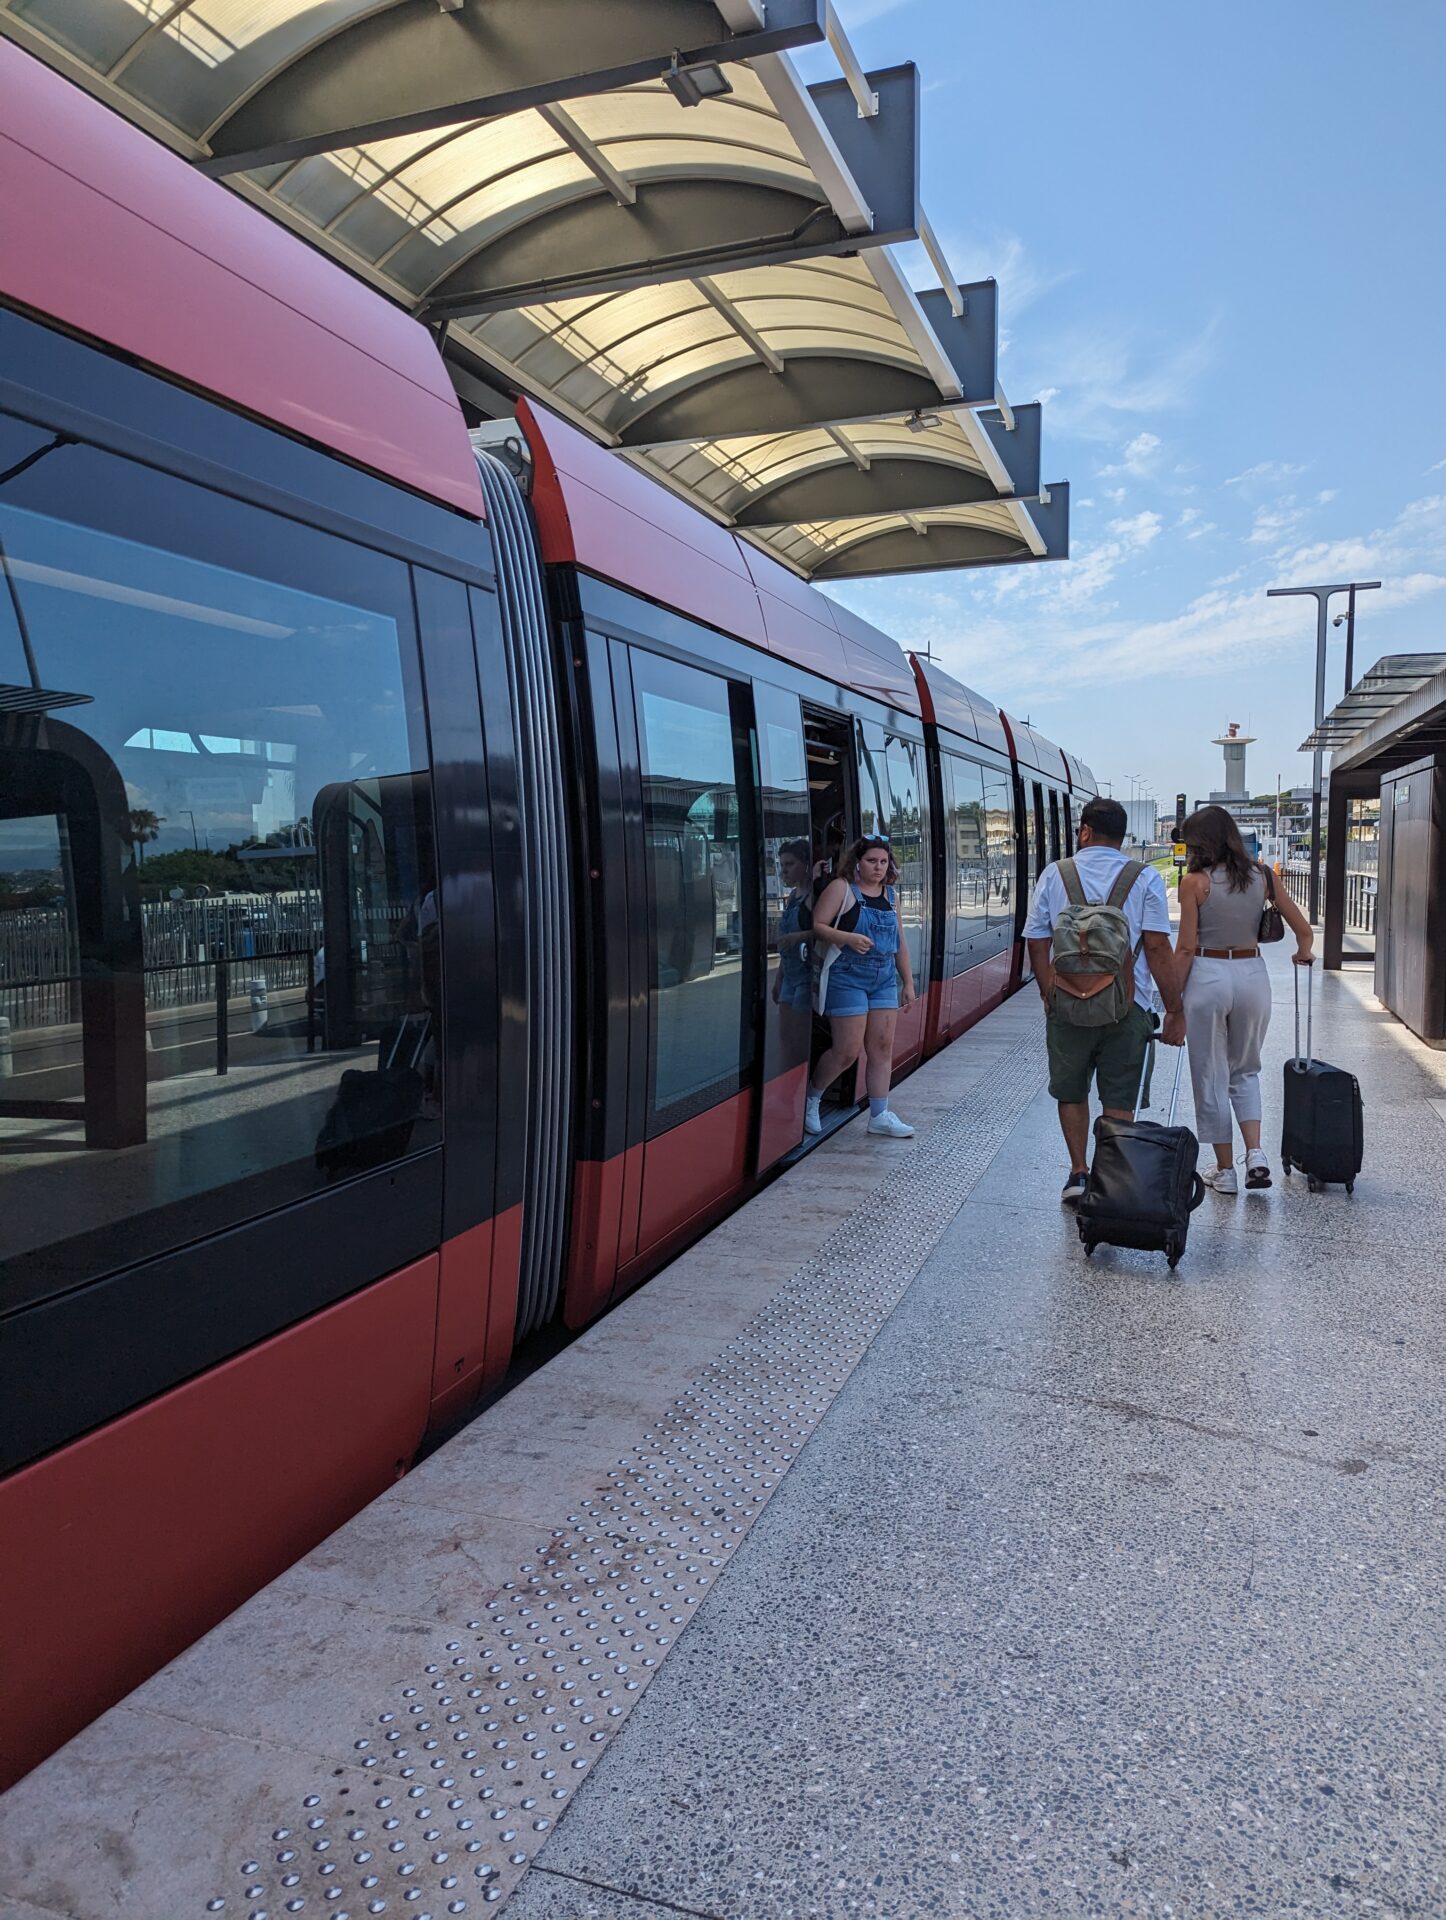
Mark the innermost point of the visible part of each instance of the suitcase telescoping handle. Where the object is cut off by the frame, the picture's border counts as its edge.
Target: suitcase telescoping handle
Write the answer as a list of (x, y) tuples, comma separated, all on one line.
[(1150, 1051), (1309, 973)]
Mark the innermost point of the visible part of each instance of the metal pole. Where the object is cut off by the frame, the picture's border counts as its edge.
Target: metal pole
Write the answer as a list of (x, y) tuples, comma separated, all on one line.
[(223, 997), (1318, 761), (1350, 637)]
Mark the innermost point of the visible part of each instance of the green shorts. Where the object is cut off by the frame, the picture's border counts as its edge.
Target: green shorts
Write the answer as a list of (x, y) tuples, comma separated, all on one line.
[(1113, 1056)]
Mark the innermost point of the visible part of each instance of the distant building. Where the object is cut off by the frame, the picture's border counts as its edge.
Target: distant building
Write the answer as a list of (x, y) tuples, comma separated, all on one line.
[(1140, 818), (1233, 742)]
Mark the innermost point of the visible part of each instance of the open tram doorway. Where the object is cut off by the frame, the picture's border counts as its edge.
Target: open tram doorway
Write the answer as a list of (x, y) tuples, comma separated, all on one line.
[(833, 806)]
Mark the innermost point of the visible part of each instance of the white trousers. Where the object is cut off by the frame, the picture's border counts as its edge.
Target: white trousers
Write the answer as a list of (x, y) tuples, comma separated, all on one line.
[(1227, 1012)]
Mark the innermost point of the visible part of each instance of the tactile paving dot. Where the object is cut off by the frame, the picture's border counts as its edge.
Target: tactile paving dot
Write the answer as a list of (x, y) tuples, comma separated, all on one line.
[(520, 1703)]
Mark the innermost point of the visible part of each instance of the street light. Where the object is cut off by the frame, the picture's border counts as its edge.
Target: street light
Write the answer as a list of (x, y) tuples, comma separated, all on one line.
[(1321, 596)]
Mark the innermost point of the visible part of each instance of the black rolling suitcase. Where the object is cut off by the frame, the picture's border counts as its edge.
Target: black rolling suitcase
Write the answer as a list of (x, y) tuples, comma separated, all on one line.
[(1143, 1184), (1323, 1132)]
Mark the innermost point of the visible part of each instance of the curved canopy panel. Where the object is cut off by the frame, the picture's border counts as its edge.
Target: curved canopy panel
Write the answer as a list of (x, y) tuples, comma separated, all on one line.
[(634, 211), (843, 472), (924, 542)]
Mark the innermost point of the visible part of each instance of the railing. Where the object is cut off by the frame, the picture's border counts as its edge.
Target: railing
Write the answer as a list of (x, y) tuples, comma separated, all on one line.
[(1360, 894), (268, 938)]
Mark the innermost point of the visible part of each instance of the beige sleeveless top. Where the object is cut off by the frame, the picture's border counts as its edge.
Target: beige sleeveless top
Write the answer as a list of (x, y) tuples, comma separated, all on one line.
[(1231, 919)]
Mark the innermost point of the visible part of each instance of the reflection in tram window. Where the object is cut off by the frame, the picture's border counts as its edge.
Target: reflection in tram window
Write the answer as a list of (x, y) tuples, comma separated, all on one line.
[(908, 838), (218, 939), (691, 829), (968, 849), (788, 873), (999, 853)]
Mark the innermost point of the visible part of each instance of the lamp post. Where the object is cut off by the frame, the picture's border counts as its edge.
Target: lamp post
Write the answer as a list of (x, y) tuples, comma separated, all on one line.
[(1321, 596)]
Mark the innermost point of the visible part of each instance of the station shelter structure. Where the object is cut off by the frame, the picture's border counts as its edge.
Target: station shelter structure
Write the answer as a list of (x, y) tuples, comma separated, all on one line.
[(1387, 739)]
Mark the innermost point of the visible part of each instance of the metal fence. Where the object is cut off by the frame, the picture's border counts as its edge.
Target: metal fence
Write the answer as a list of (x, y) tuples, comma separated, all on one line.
[(1360, 894), (265, 937)]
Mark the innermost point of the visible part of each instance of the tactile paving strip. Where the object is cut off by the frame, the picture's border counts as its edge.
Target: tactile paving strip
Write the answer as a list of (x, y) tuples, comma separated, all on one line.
[(473, 1763)]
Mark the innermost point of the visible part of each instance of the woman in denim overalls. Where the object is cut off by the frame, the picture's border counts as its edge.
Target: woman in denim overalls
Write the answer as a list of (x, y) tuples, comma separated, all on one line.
[(867, 978)]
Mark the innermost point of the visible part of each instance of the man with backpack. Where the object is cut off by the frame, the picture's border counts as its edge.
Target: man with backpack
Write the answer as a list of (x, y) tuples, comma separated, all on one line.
[(1098, 930)]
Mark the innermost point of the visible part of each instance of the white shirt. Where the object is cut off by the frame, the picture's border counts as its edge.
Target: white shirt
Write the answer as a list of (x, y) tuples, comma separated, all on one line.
[(1146, 908)]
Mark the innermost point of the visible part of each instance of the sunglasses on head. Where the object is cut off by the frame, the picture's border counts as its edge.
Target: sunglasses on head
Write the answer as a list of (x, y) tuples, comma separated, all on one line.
[(877, 840)]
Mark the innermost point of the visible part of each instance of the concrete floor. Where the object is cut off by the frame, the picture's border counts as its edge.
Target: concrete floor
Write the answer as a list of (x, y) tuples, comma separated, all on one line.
[(1097, 1591), (881, 1558)]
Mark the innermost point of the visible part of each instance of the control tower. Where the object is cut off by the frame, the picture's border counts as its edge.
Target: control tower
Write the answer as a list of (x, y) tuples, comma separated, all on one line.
[(1234, 743)]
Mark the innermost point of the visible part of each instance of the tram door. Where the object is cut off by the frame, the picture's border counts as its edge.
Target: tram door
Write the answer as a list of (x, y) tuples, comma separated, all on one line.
[(806, 771)]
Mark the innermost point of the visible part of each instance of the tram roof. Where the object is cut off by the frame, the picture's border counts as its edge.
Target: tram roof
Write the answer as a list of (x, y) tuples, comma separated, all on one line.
[(636, 213)]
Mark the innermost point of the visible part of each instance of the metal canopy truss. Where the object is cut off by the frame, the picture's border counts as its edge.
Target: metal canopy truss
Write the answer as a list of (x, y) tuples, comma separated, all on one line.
[(757, 351), (1376, 694), (720, 185), (708, 287), (930, 540)]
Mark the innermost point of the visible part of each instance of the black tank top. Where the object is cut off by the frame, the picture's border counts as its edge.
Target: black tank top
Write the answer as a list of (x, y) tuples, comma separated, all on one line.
[(849, 919)]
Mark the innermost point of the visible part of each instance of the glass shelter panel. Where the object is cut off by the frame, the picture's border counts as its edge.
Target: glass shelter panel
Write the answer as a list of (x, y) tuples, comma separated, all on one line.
[(219, 955)]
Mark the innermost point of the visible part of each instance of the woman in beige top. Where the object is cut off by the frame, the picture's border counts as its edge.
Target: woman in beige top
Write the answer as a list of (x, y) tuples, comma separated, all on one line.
[(1227, 988)]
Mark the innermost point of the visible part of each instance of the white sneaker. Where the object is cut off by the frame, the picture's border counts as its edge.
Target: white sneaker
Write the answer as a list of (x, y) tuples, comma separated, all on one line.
[(1257, 1168), (1223, 1180), (890, 1125), (812, 1118)]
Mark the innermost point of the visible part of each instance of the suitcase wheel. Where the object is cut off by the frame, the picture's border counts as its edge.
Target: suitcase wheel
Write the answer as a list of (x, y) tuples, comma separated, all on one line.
[(1285, 1167), (1350, 1186), (1313, 1185), (1173, 1252)]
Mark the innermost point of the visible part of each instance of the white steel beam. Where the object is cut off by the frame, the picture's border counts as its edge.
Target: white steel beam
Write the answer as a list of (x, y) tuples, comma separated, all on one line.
[(865, 98), (743, 327), (940, 264), (840, 439), (590, 154)]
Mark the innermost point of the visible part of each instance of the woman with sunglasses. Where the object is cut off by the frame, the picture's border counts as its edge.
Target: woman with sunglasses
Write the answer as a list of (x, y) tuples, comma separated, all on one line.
[(866, 978)]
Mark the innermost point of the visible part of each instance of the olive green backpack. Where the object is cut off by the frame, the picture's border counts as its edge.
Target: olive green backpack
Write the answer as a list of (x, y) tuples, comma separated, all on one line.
[(1094, 962)]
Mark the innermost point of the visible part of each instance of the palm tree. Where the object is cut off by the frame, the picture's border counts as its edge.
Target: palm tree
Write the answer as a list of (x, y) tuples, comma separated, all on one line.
[(145, 825)]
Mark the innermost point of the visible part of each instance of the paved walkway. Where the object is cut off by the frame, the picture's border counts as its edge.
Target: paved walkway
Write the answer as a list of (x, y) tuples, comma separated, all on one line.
[(893, 1562)]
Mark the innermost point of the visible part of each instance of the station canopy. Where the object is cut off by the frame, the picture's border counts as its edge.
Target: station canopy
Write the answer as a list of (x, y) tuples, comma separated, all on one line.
[(1375, 697), (637, 213)]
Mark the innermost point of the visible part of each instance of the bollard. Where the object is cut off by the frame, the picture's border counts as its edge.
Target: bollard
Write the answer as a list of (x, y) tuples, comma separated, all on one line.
[(7, 1056), (259, 1014)]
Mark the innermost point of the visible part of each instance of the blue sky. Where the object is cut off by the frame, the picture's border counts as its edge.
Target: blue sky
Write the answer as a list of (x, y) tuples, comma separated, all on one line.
[(1218, 233)]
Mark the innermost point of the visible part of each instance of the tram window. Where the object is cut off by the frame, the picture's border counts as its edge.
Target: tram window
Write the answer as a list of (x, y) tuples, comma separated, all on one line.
[(999, 849), (219, 957), (907, 830), (969, 861), (1055, 852), (695, 880)]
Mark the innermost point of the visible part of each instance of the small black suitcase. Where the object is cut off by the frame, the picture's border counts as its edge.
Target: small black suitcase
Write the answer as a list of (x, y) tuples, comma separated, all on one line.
[(1323, 1132), (1143, 1184)]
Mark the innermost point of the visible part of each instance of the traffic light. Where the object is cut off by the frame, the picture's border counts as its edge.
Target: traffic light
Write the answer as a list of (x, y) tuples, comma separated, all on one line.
[(1179, 816)]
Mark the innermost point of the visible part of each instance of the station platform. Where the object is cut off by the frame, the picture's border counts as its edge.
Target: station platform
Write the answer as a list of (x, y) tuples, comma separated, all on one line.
[(882, 1557)]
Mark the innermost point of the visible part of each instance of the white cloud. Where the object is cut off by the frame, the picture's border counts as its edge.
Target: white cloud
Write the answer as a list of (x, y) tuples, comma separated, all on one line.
[(1264, 473), (1187, 515), (1137, 458), (1326, 495), (1116, 494), (1107, 378), (1056, 627), (1138, 531), (1046, 394), (1437, 468), (1273, 524), (1199, 533)]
